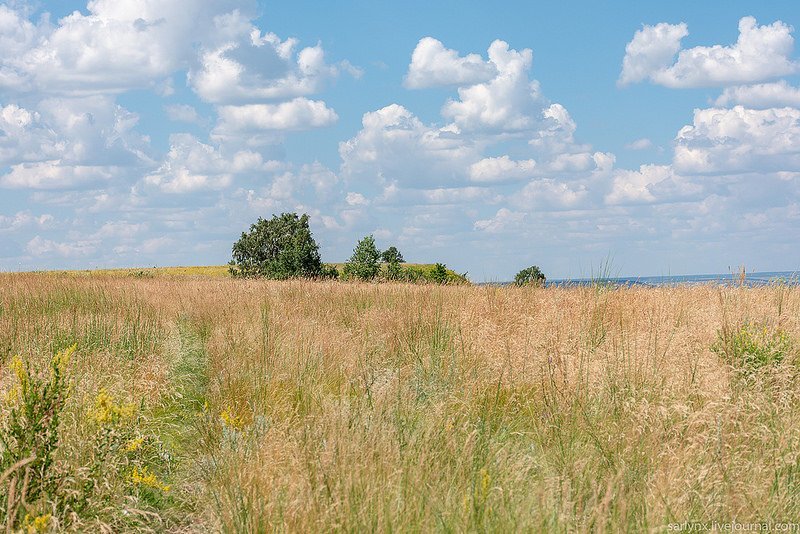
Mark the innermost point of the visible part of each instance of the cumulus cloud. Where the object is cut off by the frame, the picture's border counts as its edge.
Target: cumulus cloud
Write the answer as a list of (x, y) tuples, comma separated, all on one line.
[(434, 65), (192, 165), (298, 114), (257, 67), (508, 102), (547, 193), (503, 220), (380, 151), (501, 169), (54, 175), (41, 247), (760, 96), (117, 45), (739, 140), (760, 53), (25, 219)]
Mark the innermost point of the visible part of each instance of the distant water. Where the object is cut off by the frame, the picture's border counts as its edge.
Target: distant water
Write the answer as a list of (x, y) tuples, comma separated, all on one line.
[(751, 279)]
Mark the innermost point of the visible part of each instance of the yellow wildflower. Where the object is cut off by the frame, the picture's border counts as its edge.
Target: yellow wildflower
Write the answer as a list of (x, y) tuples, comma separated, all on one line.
[(232, 420), (147, 479), (19, 369), (106, 410), (134, 444), (33, 525)]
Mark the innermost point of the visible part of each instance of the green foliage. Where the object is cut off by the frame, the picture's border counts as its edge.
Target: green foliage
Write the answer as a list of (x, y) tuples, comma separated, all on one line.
[(439, 273), (751, 347), (280, 248), (29, 435), (329, 272), (41, 488), (530, 276), (392, 255), (363, 264)]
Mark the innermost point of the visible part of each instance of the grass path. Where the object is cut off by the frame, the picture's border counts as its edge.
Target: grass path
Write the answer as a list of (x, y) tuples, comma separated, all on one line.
[(180, 417)]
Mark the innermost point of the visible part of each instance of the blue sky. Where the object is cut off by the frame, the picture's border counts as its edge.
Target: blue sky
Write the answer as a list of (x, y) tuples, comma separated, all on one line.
[(664, 136)]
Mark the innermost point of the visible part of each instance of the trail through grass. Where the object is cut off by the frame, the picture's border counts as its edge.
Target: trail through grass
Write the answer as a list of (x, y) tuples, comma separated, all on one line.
[(179, 418)]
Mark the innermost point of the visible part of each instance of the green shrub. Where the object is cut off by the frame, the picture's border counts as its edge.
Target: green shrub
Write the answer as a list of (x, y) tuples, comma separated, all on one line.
[(751, 347), (29, 437), (329, 272), (280, 248)]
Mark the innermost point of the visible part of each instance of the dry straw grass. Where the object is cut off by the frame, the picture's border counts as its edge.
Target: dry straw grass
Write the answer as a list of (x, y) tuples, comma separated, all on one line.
[(304, 406)]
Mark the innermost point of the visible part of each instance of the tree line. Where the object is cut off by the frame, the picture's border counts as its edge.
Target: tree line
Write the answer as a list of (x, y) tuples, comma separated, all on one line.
[(283, 247)]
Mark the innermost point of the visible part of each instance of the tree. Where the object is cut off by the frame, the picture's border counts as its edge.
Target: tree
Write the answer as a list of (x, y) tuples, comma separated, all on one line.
[(363, 264), (392, 255), (439, 273), (530, 276), (279, 248)]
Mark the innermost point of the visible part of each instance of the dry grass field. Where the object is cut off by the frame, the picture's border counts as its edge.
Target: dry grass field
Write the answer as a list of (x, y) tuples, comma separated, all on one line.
[(211, 404)]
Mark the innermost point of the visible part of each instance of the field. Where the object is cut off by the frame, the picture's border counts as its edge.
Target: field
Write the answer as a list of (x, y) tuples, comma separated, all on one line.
[(201, 403)]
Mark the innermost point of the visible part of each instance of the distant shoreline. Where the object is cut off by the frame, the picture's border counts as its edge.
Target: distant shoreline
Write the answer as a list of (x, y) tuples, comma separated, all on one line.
[(750, 279)]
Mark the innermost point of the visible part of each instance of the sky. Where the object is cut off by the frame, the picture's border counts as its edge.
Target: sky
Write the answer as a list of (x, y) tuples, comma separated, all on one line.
[(637, 138)]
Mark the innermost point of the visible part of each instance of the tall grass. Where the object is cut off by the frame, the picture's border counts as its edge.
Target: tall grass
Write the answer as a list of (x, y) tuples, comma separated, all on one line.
[(301, 406)]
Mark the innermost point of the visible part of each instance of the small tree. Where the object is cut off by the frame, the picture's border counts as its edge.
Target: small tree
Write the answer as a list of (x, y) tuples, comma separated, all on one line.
[(279, 248), (392, 255), (439, 273), (363, 264), (530, 276)]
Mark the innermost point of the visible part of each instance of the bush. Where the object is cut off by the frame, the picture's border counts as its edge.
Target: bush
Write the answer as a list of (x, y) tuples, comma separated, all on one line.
[(279, 248), (752, 347), (29, 437), (363, 264), (530, 276), (329, 272)]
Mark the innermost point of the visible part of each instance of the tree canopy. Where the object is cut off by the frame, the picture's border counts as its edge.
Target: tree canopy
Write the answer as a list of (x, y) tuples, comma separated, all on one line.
[(364, 263), (279, 248), (530, 276)]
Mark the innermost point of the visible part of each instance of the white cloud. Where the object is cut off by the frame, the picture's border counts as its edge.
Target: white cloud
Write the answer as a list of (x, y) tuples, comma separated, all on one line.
[(763, 95), (433, 65), (298, 114), (192, 166), (117, 45), (739, 140), (183, 113), (381, 151), (24, 219), (651, 50), (639, 144), (256, 67), (508, 102), (41, 247), (760, 53), (550, 194), (503, 220), (356, 199), (54, 175), (501, 169)]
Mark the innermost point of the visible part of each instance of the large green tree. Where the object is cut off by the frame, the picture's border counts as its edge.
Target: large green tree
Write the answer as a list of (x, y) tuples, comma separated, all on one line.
[(279, 248)]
